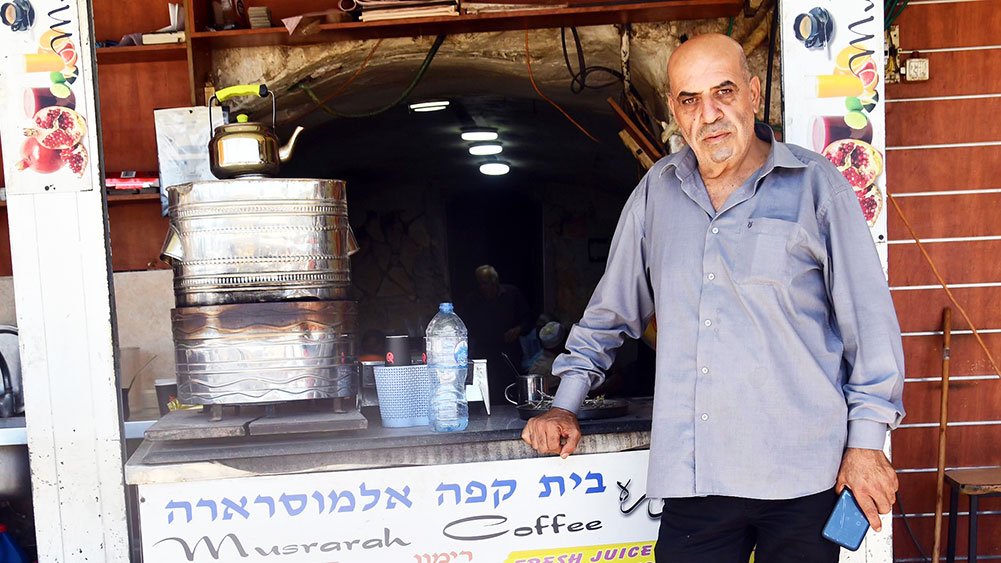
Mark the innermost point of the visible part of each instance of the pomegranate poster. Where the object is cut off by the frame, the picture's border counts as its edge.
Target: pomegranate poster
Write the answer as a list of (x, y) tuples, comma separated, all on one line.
[(832, 80), (46, 101)]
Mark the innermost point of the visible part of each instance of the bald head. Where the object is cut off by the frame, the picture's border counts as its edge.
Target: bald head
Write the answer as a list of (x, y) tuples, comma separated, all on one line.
[(713, 98), (708, 46)]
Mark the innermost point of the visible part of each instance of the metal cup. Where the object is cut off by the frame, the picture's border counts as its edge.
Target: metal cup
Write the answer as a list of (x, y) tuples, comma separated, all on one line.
[(530, 388)]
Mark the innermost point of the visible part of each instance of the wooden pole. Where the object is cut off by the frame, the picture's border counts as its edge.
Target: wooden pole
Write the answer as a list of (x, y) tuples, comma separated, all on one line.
[(942, 423)]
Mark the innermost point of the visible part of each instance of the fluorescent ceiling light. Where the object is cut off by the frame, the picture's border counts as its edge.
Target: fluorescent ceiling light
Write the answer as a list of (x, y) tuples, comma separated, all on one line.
[(485, 148), (495, 168), (423, 107), (479, 134)]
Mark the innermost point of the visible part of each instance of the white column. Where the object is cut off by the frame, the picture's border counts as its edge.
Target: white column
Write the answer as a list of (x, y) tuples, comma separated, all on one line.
[(836, 61), (62, 284)]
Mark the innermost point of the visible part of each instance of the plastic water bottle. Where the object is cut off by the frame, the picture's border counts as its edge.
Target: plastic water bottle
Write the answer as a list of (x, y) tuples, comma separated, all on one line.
[(447, 361), (9, 551)]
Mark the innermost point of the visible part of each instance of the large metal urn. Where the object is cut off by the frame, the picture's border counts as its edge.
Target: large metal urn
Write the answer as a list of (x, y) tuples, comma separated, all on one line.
[(258, 240)]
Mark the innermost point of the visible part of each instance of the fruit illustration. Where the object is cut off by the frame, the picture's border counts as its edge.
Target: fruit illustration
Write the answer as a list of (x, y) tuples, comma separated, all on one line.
[(75, 159), (871, 202), (859, 162), (57, 128), (37, 99), (38, 158), (53, 40), (68, 53), (865, 69)]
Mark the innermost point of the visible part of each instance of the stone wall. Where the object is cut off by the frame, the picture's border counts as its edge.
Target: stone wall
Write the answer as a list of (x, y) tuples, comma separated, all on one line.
[(400, 273), (464, 58)]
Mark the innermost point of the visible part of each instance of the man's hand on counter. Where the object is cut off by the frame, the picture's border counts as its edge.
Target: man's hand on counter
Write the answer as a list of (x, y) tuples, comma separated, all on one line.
[(547, 432)]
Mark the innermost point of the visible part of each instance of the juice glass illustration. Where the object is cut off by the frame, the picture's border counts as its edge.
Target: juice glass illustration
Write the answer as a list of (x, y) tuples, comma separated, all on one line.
[(838, 85)]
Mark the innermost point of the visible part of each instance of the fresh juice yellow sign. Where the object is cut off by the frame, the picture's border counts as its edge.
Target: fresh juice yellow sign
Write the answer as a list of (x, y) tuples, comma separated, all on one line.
[(624, 552)]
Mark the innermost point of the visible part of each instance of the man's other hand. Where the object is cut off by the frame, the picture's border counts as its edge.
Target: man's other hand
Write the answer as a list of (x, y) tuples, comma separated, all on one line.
[(872, 480), (547, 432)]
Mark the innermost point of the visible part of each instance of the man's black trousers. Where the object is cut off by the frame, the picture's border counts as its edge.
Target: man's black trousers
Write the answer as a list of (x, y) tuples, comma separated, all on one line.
[(725, 529)]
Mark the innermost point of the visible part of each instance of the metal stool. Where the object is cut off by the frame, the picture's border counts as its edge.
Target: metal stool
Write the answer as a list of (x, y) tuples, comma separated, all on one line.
[(976, 483)]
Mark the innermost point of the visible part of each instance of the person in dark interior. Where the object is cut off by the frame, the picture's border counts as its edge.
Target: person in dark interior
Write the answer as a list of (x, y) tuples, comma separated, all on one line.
[(779, 363), (496, 315), (551, 336), (531, 348)]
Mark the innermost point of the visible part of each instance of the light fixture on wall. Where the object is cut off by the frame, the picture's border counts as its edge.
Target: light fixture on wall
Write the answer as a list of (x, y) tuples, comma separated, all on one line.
[(424, 107), (479, 134), (495, 168), (485, 148)]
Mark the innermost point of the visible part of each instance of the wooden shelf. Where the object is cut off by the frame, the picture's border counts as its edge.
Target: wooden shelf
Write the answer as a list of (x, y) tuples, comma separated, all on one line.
[(495, 21), (142, 53), (123, 198)]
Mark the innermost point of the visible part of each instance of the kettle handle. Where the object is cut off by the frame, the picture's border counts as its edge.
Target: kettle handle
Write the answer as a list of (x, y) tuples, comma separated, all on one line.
[(259, 90)]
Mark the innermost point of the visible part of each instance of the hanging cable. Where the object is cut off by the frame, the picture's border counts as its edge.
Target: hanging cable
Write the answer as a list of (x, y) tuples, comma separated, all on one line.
[(320, 104), (348, 82), (578, 78), (340, 89), (771, 57), (531, 78), (891, 14), (907, 526)]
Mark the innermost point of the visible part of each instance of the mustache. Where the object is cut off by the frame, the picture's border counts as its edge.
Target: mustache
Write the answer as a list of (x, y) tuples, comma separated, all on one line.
[(714, 128)]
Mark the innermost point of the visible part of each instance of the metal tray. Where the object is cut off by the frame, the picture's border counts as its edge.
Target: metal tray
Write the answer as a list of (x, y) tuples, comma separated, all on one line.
[(611, 408)]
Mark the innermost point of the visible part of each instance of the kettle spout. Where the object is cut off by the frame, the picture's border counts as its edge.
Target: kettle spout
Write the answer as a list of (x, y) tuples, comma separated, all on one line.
[(285, 152)]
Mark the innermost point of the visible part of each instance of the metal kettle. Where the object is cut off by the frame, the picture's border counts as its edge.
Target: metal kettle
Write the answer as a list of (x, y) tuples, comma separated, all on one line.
[(246, 149)]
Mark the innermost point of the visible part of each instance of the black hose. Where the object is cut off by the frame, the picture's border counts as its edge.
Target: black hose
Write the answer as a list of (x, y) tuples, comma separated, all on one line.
[(413, 84), (771, 57), (578, 78)]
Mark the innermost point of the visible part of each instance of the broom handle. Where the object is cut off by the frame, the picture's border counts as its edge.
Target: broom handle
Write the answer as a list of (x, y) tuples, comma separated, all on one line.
[(942, 423)]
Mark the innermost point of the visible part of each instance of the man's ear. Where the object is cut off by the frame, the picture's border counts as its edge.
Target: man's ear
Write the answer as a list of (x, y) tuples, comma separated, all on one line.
[(670, 106), (755, 87)]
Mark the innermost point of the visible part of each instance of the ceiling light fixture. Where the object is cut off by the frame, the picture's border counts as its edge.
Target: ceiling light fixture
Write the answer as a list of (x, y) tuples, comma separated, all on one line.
[(495, 168), (485, 148), (424, 107), (479, 134)]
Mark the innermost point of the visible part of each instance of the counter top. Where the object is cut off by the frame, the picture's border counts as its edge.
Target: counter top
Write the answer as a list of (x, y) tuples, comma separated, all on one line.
[(493, 437)]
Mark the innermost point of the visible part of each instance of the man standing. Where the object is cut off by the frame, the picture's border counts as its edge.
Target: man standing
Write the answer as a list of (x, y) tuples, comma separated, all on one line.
[(779, 359), (496, 315)]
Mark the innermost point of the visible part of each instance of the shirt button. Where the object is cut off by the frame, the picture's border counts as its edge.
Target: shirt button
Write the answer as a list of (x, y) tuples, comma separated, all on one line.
[(704, 417), (709, 323), (705, 370), (715, 230), (711, 276)]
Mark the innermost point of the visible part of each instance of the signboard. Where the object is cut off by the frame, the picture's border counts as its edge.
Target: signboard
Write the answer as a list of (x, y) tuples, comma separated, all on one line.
[(48, 114), (583, 509), (832, 81)]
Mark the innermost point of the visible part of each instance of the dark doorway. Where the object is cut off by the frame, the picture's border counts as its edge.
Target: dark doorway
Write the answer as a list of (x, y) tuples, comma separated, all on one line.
[(502, 228)]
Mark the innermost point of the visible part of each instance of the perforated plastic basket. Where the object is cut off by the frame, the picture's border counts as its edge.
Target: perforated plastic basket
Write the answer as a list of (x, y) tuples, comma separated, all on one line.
[(404, 395)]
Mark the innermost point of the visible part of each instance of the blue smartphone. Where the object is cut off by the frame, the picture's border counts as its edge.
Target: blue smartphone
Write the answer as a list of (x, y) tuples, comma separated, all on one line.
[(847, 524)]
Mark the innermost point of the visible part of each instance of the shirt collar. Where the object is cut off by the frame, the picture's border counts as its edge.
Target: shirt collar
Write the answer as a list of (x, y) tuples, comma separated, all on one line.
[(779, 156)]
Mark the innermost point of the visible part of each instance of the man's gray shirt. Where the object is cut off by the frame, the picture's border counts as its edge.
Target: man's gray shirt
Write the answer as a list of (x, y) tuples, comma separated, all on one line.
[(777, 342)]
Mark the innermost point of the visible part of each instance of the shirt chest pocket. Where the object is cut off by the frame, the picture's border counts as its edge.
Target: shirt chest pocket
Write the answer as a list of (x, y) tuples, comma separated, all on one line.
[(762, 254)]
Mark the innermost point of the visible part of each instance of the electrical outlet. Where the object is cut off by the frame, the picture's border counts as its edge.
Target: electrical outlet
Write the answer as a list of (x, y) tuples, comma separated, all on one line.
[(916, 69)]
